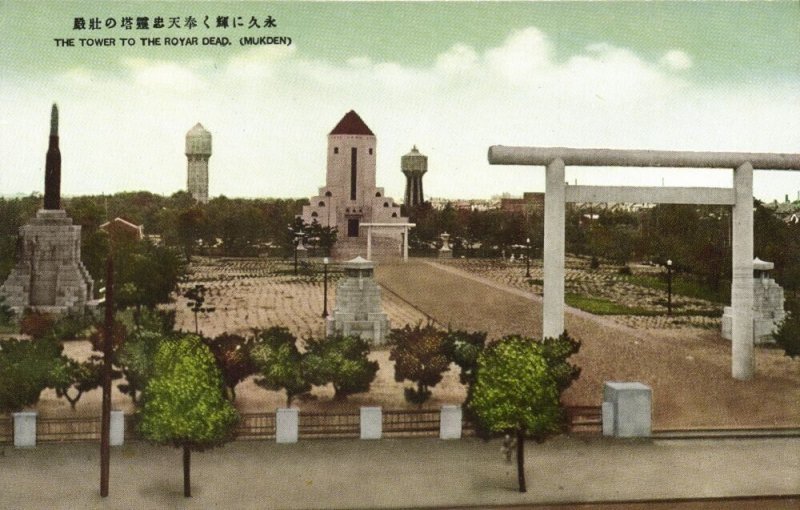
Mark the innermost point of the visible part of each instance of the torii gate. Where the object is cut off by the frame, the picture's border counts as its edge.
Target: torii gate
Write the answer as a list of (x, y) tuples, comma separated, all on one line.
[(557, 193)]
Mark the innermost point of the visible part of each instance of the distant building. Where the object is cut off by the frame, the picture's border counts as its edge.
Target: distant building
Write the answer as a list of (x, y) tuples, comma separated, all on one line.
[(414, 165), (121, 229), (198, 152), (529, 203), (350, 196)]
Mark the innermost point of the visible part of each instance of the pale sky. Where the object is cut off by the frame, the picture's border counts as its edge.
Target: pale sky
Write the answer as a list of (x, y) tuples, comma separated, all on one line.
[(451, 78)]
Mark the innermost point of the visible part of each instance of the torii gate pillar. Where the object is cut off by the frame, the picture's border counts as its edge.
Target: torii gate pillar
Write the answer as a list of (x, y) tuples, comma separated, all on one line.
[(554, 223), (743, 359)]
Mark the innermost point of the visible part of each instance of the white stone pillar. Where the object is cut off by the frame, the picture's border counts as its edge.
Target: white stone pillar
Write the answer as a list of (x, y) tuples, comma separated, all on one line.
[(117, 430), (286, 425), (450, 422), (554, 223), (405, 244), (371, 423), (369, 243), (742, 355), (24, 429)]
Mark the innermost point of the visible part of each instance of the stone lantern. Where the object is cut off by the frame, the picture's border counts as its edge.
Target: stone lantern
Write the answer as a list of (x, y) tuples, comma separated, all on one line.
[(768, 301), (445, 252), (358, 310)]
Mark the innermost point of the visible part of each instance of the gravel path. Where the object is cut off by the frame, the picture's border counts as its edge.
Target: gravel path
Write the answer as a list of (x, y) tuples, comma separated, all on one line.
[(689, 370)]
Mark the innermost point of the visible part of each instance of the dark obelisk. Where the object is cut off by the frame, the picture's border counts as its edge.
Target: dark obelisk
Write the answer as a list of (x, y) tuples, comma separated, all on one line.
[(52, 171)]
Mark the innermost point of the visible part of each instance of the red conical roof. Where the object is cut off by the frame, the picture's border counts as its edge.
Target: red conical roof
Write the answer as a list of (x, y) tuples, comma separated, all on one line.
[(351, 124)]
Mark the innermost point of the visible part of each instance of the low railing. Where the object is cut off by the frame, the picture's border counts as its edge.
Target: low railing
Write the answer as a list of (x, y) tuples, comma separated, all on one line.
[(53, 430), (6, 430), (329, 425), (396, 423), (585, 419), (256, 426)]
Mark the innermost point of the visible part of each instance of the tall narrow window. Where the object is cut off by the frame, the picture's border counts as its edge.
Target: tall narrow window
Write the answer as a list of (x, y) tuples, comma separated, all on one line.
[(353, 161)]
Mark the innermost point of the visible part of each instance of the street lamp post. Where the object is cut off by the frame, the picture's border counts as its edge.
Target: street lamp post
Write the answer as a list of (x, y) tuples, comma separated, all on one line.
[(325, 289), (197, 297), (528, 260), (669, 287)]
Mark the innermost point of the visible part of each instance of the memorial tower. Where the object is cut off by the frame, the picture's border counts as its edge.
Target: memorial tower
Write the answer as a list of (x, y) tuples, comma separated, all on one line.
[(49, 275), (350, 197)]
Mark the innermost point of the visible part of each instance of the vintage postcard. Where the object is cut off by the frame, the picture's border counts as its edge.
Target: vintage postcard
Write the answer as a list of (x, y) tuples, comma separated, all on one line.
[(434, 254)]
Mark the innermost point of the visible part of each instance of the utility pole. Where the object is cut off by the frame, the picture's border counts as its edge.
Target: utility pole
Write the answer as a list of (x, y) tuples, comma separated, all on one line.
[(108, 339)]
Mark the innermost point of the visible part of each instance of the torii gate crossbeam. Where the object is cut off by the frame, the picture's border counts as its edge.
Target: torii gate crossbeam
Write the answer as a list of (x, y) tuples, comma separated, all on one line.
[(557, 193)]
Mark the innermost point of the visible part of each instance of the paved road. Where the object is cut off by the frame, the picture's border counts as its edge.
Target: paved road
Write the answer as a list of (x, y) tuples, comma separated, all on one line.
[(398, 473)]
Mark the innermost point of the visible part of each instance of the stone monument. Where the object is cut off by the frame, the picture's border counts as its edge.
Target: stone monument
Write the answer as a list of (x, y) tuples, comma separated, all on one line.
[(358, 309), (445, 252), (768, 301), (49, 276)]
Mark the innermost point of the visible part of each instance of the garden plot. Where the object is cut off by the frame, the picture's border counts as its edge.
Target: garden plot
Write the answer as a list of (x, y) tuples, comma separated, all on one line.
[(604, 291)]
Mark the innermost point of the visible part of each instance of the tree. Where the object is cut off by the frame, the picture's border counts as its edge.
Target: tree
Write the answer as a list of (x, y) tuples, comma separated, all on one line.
[(146, 274), (184, 405), (342, 361), (74, 378), (787, 335), (26, 368), (556, 351), (420, 355), (464, 348), (136, 360), (279, 363), (6, 313), (516, 393), (232, 353)]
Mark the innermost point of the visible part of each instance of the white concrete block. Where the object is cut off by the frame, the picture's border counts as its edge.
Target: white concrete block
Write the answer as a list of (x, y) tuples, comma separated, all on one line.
[(450, 422), (286, 425), (608, 418), (117, 430), (371, 423), (24, 429), (632, 408)]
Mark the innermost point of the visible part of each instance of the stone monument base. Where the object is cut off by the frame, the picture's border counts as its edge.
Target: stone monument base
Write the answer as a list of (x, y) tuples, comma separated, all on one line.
[(49, 275)]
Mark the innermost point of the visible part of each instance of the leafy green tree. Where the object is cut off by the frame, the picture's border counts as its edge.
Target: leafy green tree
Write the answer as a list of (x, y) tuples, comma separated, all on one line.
[(321, 237), (192, 226), (279, 364), (184, 403), (420, 355), (146, 274), (342, 361), (556, 352), (232, 353), (74, 378), (787, 335), (515, 392), (26, 368), (464, 348), (6, 313)]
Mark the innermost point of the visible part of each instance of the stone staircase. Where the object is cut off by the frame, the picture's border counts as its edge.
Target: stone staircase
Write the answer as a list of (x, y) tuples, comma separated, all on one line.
[(383, 248)]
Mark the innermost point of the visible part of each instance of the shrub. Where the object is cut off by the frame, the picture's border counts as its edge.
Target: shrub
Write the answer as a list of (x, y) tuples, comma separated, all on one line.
[(420, 355), (342, 361), (787, 335)]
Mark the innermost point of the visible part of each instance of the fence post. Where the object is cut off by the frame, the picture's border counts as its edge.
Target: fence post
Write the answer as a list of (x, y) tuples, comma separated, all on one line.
[(371, 423), (632, 406), (608, 418), (117, 430), (450, 422), (286, 423), (24, 429)]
